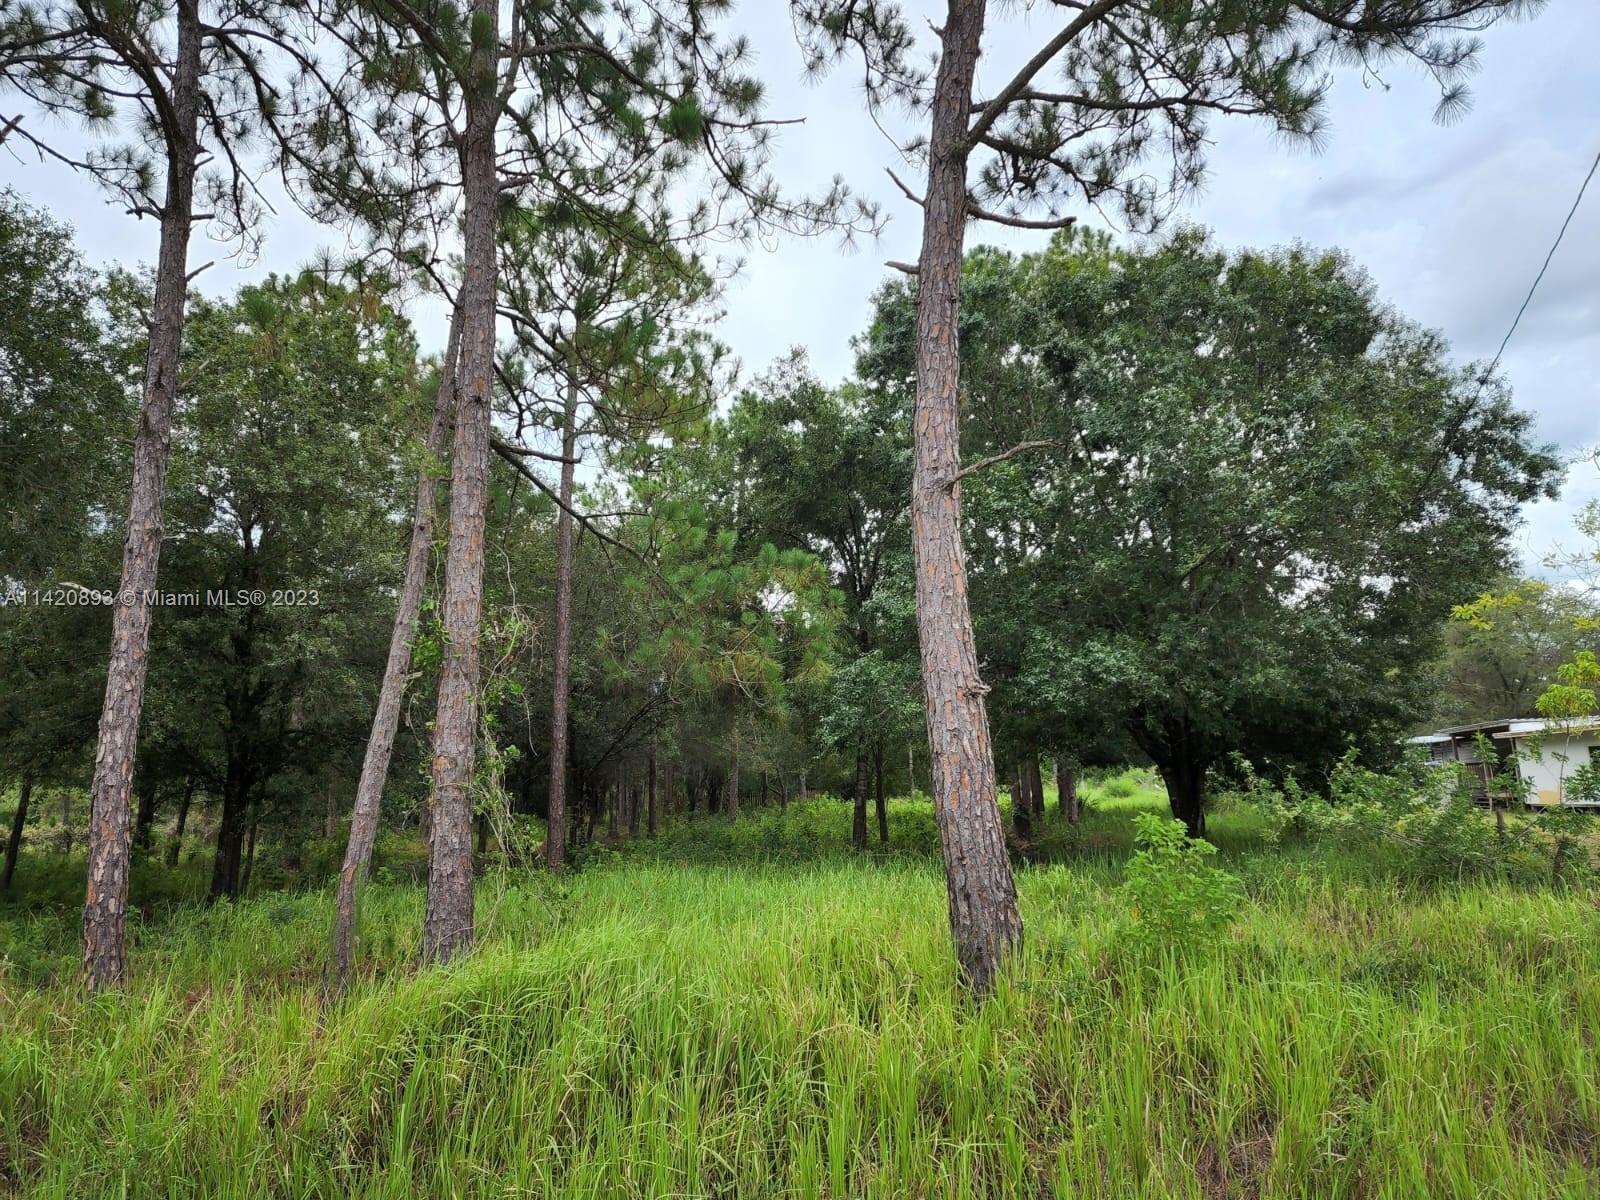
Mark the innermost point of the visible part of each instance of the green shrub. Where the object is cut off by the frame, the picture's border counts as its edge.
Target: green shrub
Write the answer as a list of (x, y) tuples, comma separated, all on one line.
[(1177, 897)]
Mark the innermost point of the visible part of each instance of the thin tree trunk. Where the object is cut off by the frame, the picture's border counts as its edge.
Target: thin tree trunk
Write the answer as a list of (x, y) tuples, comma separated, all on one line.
[(980, 889), (225, 867), (555, 846), (858, 822), (66, 821), (1021, 806), (105, 908), (14, 841), (145, 817), (613, 798), (1035, 785), (650, 793), (911, 769), (877, 787), (175, 846), (635, 808), (763, 789), (249, 853), (447, 926), (733, 784), (330, 811), (1067, 790)]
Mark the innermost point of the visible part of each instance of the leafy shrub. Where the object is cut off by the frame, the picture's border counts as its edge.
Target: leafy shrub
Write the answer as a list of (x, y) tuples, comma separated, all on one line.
[(1419, 818), (1178, 898)]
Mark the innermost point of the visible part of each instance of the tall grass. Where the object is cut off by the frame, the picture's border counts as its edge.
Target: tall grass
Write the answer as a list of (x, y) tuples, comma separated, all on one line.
[(710, 1018)]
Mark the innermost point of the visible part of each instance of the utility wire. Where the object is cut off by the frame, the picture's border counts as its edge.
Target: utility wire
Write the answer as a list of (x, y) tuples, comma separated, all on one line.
[(1554, 246)]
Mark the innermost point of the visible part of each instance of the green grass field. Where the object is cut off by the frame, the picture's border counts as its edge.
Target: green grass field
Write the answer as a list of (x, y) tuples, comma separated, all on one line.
[(756, 1012)]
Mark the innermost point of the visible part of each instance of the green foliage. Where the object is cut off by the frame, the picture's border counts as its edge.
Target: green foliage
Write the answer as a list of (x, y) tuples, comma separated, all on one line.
[(1259, 494), (1422, 821), (1177, 898), (760, 1029), (1502, 649)]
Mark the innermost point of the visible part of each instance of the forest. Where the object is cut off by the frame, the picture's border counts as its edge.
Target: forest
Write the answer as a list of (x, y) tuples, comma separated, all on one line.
[(464, 733)]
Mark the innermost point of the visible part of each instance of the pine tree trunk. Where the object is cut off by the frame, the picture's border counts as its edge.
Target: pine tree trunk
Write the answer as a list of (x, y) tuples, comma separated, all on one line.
[(175, 846), (858, 823), (1067, 791), (635, 808), (105, 908), (650, 793), (981, 892), (14, 840), (447, 926), (66, 822), (733, 784), (555, 846), (878, 797), (613, 798)]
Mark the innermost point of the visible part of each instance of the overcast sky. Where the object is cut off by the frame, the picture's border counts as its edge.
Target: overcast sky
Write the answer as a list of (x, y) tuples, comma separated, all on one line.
[(1452, 221)]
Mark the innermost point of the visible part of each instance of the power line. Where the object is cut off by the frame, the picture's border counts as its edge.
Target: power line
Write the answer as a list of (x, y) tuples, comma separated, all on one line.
[(1554, 246)]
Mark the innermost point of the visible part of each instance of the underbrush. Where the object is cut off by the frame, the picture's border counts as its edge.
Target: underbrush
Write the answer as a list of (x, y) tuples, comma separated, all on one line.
[(789, 1022)]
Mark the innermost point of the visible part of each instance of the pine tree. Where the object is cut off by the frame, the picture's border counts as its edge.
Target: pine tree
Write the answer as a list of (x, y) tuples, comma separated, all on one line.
[(1135, 77)]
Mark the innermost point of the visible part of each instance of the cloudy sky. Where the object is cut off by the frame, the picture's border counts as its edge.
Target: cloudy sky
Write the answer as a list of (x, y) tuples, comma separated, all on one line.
[(1452, 221)]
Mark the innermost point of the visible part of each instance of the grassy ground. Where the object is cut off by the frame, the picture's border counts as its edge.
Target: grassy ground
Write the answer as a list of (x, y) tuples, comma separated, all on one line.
[(756, 1012)]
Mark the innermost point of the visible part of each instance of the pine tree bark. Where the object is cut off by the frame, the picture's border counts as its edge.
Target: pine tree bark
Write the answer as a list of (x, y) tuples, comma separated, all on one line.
[(386, 720), (733, 784), (981, 892), (105, 908), (14, 839), (447, 925), (555, 846), (175, 846)]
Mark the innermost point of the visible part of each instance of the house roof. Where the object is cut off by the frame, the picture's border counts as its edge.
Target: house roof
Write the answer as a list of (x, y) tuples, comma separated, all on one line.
[(1451, 732), (1527, 728)]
